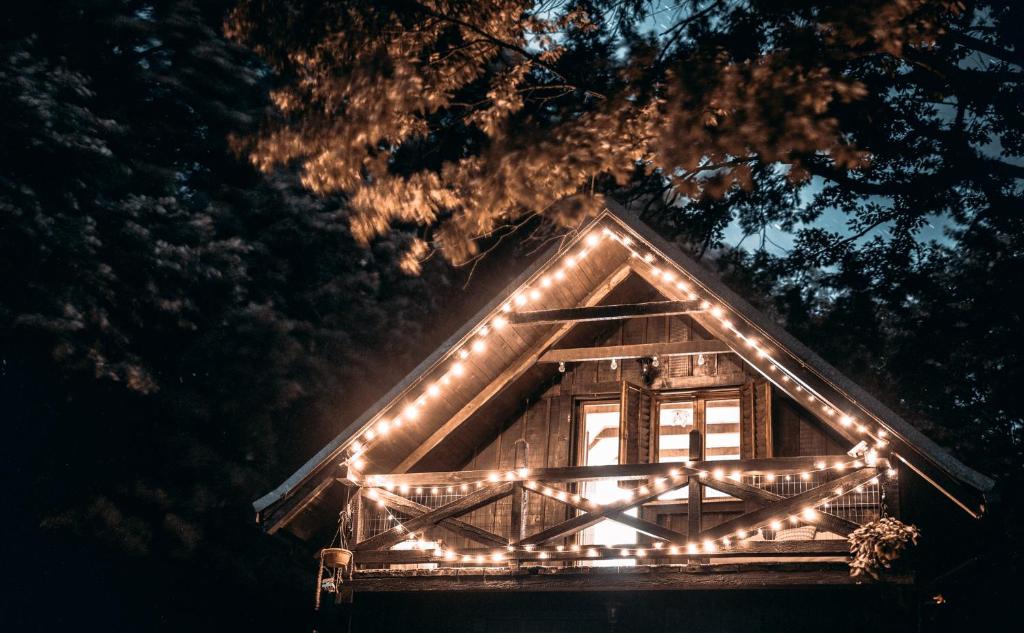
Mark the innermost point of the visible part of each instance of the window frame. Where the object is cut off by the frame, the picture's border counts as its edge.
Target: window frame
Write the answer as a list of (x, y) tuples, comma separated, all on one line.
[(699, 398)]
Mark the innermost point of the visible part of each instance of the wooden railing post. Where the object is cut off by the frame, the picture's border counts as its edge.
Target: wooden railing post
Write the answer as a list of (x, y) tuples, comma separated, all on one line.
[(518, 527), (694, 489)]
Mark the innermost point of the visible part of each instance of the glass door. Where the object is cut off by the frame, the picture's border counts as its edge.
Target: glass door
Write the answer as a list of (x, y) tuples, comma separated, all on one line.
[(600, 447)]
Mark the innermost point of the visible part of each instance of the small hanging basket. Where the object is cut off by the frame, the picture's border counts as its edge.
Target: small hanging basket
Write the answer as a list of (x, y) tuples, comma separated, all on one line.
[(335, 557), (335, 567)]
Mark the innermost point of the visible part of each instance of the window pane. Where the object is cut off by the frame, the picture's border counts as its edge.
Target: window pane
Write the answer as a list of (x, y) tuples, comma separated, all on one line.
[(601, 448), (675, 421), (722, 436)]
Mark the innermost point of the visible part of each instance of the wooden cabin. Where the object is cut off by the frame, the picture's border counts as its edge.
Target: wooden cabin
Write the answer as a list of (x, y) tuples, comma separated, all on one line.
[(611, 433)]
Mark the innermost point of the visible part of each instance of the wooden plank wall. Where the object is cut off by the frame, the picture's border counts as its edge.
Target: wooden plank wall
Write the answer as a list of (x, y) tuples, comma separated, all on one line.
[(795, 431)]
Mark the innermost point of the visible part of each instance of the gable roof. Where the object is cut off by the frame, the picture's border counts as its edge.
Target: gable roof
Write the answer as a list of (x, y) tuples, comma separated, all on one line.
[(486, 355)]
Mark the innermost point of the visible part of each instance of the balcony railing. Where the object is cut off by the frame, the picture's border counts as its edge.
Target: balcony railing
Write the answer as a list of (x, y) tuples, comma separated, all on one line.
[(770, 497)]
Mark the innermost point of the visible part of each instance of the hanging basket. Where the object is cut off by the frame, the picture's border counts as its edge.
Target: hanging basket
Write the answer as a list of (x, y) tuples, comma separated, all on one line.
[(335, 557)]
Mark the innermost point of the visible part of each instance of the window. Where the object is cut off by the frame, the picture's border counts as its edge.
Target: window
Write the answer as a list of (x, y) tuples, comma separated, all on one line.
[(721, 434), (675, 421), (600, 447), (718, 418)]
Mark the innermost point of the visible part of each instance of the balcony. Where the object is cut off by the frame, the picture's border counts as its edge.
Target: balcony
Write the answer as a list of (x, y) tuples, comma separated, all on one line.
[(528, 527)]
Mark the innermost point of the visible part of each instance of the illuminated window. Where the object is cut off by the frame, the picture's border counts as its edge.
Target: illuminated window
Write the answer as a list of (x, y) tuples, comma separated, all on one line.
[(721, 434), (600, 447), (675, 421), (719, 421)]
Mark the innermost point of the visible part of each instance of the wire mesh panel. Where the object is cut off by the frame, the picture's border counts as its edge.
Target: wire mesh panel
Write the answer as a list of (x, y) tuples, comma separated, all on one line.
[(377, 519), (861, 504)]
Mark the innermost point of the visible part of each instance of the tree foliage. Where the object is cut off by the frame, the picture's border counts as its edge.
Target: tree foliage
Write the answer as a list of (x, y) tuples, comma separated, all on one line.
[(463, 117), (179, 329)]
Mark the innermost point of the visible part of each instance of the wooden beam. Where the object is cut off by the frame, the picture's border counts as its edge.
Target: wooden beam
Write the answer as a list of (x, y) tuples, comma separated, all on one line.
[(776, 465), (647, 527), (518, 514), (510, 374), (413, 509), (583, 521), (470, 502), (605, 313), (762, 497), (694, 491), (833, 547), (790, 506), (645, 350), (714, 578), (675, 578), (672, 382)]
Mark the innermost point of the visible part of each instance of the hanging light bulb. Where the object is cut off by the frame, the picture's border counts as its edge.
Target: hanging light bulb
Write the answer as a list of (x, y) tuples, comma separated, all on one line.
[(700, 360), (655, 362), (615, 364), (561, 367)]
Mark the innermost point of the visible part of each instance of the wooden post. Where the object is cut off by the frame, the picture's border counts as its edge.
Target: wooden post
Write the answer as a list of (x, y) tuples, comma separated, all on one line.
[(518, 526), (694, 489), (517, 530)]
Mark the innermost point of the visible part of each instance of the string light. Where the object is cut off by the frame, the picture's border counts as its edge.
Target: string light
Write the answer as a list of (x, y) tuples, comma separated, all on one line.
[(808, 514), (663, 271)]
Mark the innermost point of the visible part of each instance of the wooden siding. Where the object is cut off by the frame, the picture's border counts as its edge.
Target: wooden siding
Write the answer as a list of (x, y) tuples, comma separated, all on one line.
[(796, 432)]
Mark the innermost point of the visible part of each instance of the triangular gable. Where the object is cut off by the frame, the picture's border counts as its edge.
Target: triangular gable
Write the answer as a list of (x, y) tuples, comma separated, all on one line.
[(487, 353)]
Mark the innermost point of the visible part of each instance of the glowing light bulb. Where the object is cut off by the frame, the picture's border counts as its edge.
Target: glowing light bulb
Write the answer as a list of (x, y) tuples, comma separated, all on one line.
[(615, 364), (709, 545), (433, 390), (479, 346), (463, 354), (775, 525), (534, 294), (520, 299), (561, 367), (559, 274), (499, 322), (691, 548), (846, 420), (810, 514), (592, 239), (410, 412), (458, 369)]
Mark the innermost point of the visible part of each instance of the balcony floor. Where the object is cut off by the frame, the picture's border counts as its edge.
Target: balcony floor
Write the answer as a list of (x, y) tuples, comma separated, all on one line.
[(638, 578)]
